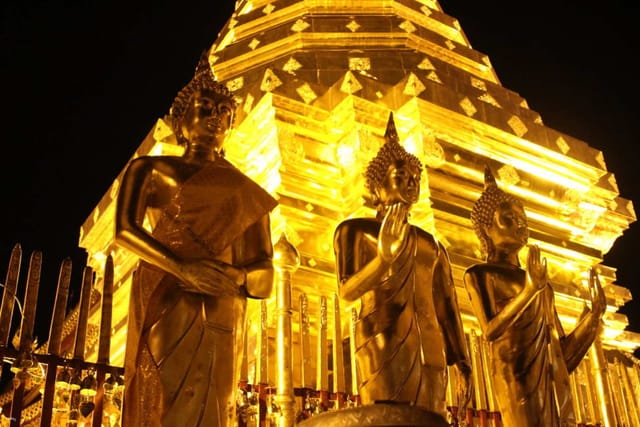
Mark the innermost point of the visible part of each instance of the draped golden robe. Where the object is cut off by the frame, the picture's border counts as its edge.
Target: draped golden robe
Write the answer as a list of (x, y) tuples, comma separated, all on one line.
[(528, 369), (184, 348), (408, 329)]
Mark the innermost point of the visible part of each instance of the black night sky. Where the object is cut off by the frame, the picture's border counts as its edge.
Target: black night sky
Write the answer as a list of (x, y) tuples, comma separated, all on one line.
[(84, 82)]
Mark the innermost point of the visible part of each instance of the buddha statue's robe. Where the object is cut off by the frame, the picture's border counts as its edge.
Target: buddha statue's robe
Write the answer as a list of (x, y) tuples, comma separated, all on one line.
[(183, 348), (528, 369), (408, 327)]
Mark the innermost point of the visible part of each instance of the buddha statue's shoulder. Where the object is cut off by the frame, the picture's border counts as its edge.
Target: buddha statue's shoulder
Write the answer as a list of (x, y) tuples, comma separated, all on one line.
[(164, 164), (366, 225), (487, 268)]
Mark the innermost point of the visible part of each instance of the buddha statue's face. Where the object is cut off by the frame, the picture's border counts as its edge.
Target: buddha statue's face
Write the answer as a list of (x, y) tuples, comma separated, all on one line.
[(400, 185), (508, 230), (208, 117)]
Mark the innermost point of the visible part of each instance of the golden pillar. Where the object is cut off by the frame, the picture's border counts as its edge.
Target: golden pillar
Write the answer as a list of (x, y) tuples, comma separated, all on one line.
[(286, 261)]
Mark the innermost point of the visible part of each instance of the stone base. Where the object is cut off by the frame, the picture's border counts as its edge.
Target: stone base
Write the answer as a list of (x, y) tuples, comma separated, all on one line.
[(377, 415)]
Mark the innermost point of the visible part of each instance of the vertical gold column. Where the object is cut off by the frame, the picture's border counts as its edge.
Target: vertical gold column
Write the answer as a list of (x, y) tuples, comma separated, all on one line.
[(306, 373), (352, 352), (602, 386), (83, 313), (244, 365), (623, 402), (104, 345), (338, 357), (262, 358), (633, 392), (287, 261), (262, 365), (587, 387), (478, 378), (578, 404), (322, 356)]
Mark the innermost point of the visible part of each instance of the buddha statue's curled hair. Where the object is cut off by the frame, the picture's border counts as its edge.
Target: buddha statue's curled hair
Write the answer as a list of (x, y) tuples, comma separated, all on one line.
[(390, 152), (203, 78), (485, 207)]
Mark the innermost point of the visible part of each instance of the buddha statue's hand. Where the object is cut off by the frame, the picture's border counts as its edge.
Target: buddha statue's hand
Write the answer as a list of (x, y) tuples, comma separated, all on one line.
[(394, 230), (204, 276), (598, 298), (537, 277)]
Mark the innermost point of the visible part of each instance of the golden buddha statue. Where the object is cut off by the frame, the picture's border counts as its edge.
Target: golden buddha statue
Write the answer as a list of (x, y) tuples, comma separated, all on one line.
[(408, 327), (209, 250), (531, 357)]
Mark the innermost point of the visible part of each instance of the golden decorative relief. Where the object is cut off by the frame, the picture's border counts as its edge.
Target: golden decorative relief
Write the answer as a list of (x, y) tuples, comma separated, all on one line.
[(350, 84), (434, 155), (468, 107), (426, 65), (270, 81), (306, 93), (235, 84), (414, 86), (562, 145), (478, 84), (517, 125), (433, 76), (291, 66), (508, 175), (359, 64), (408, 26), (254, 44), (353, 26), (485, 97), (300, 25), (247, 106), (268, 9)]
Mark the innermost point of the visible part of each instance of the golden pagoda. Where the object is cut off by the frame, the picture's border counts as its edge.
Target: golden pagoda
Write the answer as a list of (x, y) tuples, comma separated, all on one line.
[(315, 81)]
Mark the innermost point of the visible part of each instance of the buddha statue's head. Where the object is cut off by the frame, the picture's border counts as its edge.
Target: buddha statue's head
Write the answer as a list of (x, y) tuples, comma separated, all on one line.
[(393, 175), (203, 108), (499, 219)]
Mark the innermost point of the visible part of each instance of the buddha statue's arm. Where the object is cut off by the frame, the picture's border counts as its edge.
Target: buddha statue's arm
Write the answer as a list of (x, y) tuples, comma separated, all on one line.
[(133, 200), (493, 326), (356, 275), (253, 260), (577, 343)]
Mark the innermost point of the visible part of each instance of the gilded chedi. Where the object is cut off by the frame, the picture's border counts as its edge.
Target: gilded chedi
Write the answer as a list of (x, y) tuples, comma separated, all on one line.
[(314, 81)]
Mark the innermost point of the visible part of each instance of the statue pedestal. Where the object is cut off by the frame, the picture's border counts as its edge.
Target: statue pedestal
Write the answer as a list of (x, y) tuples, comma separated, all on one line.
[(377, 415)]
